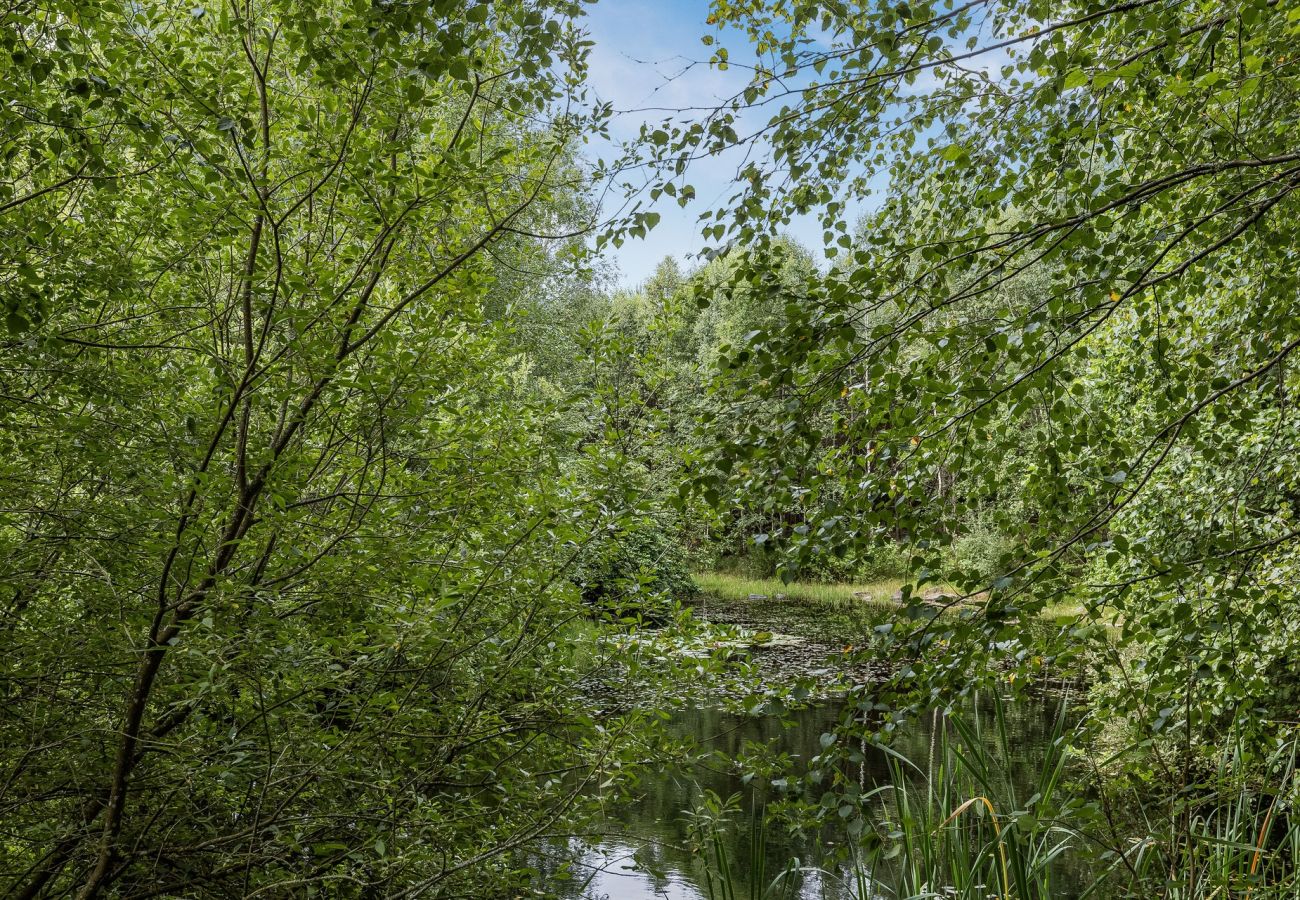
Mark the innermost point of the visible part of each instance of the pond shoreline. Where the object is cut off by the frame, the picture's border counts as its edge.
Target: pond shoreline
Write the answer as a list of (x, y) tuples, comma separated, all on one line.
[(807, 636)]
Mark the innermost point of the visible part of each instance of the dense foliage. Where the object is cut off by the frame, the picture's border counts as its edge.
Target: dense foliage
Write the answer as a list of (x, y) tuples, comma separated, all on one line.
[(1068, 320), (333, 473), (268, 625)]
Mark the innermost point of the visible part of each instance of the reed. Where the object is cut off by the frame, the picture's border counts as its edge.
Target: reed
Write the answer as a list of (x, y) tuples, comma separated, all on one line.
[(1236, 835), (972, 823)]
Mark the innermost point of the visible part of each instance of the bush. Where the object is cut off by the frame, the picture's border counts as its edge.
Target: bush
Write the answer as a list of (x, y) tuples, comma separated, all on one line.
[(978, 550), (829, 569), (757, 563), (883, 562), (638, 571), (886, 561)]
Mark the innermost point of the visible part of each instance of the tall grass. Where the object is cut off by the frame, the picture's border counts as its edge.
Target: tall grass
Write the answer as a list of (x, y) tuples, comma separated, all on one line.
[(879, 592), (959, 825), (1229, 837), (971, 823), (739, 587)]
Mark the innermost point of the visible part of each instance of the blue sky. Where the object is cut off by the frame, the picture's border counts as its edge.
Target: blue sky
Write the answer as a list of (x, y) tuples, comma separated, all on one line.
[(642, 48), (648, 54)]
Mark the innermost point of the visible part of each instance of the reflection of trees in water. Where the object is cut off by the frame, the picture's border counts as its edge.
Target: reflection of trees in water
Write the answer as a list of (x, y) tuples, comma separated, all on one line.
[(656, 822), (570, 870)]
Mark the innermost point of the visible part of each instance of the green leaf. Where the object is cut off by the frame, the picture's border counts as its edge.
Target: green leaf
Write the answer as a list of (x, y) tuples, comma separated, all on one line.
[(1075, 78)]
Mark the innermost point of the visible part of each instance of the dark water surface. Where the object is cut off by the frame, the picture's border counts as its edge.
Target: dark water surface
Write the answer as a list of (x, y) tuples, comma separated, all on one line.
[(646, 855), (646, 851)]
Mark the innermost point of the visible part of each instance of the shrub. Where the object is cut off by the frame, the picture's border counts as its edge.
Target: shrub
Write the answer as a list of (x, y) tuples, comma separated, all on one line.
[(978, 550), (637, 571)]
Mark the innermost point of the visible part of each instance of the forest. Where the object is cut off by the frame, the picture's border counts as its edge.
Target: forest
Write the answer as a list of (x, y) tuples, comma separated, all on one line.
[(379, 518)]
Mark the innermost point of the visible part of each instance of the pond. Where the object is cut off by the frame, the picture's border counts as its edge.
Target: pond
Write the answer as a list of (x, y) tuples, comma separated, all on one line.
[(646, 855), (645, 848)]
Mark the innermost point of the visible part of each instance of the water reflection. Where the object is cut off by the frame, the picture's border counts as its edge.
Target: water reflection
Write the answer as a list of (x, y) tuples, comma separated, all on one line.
[(647, 856)]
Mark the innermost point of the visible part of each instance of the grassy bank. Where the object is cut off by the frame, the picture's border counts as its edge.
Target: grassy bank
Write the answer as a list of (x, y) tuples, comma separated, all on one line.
[(740, 587)]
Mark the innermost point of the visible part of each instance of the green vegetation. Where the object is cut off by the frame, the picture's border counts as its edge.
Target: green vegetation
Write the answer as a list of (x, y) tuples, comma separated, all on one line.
[(961, 823), (736, 587), (971, 820), (839, 595), (348, 510)]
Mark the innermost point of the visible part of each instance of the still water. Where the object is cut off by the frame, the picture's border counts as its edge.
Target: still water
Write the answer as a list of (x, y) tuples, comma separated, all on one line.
[(646, 855)]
